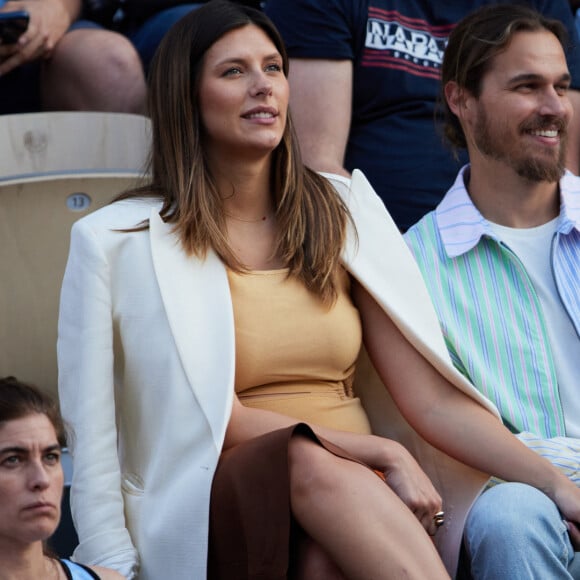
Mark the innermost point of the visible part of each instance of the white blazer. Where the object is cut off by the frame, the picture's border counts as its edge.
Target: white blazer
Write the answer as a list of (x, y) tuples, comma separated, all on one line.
[(146, 374)]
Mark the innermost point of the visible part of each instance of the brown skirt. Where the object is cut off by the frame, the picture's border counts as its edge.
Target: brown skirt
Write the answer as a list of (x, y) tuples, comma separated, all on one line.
[(251, 527)]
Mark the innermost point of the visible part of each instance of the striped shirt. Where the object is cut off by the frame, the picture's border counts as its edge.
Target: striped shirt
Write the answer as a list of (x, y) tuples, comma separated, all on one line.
[(562, 452), (489, 311)]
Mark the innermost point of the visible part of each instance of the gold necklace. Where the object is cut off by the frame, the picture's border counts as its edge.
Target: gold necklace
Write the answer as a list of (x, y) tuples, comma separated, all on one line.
[(239, 219)]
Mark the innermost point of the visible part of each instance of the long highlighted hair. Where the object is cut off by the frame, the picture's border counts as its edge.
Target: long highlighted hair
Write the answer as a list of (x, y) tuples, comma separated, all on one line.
[(310, 214)]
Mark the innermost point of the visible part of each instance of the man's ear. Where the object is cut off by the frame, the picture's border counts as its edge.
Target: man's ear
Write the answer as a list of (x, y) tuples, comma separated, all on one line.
[(455, 97), (462, 104)]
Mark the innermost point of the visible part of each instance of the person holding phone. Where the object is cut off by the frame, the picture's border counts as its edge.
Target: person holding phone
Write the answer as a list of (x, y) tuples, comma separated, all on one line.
[(13, 25), (56, 65)]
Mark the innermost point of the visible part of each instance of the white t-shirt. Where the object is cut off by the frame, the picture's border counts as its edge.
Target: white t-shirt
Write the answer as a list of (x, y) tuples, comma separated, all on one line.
[(533, 247)]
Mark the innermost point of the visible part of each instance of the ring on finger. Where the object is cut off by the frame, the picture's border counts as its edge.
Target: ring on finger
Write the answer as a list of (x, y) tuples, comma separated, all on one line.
[(439, 519)]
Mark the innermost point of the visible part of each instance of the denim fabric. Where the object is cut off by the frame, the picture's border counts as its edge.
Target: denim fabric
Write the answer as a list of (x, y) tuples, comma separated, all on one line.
[(148, 35), (145, 35), (515, 532)]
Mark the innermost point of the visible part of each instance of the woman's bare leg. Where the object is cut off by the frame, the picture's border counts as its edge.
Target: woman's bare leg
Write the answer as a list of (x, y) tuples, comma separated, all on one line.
[(311, 562), (357, 519)]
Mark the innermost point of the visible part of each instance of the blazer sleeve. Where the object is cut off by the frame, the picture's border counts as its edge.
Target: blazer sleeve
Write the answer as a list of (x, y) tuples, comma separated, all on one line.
[(87, 399)]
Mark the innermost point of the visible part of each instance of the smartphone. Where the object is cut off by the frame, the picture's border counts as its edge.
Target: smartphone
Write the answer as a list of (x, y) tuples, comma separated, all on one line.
[(13, 25)]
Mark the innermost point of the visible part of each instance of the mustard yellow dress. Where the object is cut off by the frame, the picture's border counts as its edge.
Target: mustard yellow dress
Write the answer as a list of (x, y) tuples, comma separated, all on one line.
[(294, 354)]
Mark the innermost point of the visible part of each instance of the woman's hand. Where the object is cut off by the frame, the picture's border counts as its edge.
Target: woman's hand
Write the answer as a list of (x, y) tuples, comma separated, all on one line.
[(406, 478), (403, 474)]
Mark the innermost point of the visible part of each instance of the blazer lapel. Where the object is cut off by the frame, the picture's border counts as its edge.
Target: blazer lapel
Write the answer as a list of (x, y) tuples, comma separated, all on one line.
[(198, 304), (381, 261), (381, 255)]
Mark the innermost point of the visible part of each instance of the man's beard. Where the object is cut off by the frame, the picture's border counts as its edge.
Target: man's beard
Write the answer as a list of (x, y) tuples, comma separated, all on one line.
[(530, 167)]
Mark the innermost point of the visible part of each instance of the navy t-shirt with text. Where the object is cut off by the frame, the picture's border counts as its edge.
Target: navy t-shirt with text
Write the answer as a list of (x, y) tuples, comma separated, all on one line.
[(397, 49)]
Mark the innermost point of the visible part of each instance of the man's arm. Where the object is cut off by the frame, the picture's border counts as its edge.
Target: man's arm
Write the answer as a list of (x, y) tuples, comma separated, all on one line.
[(321, 107)]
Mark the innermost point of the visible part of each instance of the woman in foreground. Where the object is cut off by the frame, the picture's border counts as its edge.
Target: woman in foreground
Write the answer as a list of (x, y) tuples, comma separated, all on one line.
[(209, 332)]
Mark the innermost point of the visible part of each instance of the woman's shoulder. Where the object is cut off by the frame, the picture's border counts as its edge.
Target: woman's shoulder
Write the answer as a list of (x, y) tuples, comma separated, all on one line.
[(119, 215), (340, 182), (355, 190)]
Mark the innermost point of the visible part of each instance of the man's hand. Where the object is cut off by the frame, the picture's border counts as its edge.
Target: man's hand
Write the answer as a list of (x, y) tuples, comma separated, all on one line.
[(574, 531), (49, 20), (567, 497)]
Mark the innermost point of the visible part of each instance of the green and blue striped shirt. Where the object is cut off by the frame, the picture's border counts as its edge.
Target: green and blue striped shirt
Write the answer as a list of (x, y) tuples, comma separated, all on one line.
[(488, 308)]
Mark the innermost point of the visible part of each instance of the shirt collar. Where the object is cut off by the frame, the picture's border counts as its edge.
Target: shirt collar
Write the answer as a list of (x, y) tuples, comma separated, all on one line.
[(461, 226)]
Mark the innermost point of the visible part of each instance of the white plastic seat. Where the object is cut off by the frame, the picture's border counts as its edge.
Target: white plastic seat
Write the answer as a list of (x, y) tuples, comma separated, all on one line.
[(78, 163), (35, 144)]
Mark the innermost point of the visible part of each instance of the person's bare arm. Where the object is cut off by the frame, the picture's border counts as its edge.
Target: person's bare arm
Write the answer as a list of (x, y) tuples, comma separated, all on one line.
[(321, 107), (49, 21), (449, 419), (573, 154), (107, 573), (403, 474)]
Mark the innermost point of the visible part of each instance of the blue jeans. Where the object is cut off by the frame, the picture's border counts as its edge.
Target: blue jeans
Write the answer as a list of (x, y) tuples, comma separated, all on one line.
[(148, 35), (515, 532)]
